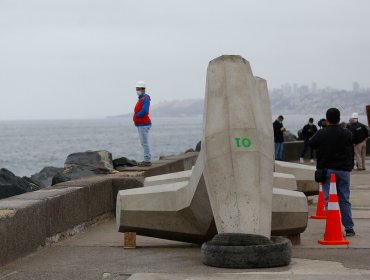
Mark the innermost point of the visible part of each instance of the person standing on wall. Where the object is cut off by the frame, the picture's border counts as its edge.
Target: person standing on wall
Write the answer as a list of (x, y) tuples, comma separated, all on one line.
[(279, 130), (334, 151), (360, 135), (142, 121), (308, 131)]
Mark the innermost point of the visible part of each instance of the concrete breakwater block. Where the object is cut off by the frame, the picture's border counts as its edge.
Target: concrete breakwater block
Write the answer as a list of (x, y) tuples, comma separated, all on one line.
[(237, 147), (304, 174), (289, 212), (280, 180), (176, 211)]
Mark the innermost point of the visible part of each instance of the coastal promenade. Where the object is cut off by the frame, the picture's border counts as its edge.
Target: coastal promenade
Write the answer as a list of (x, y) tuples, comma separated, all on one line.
[(97, 253)]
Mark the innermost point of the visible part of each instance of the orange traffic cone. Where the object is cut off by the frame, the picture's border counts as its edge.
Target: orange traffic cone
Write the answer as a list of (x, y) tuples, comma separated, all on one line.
[(320, 209), (333, 229)]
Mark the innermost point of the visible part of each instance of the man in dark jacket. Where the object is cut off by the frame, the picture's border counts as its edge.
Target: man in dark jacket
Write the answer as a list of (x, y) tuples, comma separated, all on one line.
[(308, 131), (334, 153), (360, 135), (279, 130)]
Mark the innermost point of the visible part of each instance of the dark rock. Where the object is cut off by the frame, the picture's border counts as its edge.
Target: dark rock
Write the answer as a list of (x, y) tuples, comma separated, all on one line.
[(11, 185), (199, 146), (34, 185), (84, 164), (123, 162), (289, 137), (189, 151), (45, 177)]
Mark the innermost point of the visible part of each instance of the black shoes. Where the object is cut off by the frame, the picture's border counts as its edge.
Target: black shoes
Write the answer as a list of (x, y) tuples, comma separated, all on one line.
[(144, 164), (350, 232)]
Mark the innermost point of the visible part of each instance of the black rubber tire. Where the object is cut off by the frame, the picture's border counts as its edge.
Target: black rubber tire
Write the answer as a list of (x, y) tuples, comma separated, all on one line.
[(239, 239), (277, 253)]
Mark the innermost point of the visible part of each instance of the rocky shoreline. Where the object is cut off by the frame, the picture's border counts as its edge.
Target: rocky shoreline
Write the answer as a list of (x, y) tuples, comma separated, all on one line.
[(77, 165)]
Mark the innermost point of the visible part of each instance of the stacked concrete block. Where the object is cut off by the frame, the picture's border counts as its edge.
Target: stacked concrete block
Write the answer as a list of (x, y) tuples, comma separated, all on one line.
[(304, 174), (176, 211), (285, 181), (237, 147), (180, 210), (290, 212)]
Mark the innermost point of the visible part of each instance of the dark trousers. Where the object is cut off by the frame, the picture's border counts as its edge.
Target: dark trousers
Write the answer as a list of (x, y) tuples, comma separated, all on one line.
[(306, 147)]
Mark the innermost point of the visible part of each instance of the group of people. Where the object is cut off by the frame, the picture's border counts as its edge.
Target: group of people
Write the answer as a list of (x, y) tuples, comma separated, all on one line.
[(359, 132), (335, 146)]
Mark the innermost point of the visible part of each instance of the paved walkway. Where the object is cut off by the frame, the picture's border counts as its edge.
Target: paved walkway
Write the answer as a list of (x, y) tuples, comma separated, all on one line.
[(98, 254)]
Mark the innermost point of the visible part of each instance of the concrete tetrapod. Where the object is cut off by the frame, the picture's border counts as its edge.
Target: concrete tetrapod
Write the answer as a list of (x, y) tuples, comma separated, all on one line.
[(181, 210), (237, 147), (280, 180), (176, 211)]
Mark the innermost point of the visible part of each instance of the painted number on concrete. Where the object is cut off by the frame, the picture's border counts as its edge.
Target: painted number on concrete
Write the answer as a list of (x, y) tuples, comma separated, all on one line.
[(243, 142)]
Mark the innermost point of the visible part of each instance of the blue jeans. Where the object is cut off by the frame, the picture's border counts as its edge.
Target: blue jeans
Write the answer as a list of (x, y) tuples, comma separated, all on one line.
[(343, 182), (144, 140), (278, 150)]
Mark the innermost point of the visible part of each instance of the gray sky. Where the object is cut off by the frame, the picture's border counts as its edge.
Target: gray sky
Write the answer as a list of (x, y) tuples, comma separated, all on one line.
[(82, 58)]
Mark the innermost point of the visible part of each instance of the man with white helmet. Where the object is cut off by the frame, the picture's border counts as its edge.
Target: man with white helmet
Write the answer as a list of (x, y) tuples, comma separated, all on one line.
[(360, 135), (142, 121)]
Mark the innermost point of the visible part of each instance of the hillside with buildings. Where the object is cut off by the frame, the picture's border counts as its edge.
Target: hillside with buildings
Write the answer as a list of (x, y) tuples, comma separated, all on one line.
[(312, 100)]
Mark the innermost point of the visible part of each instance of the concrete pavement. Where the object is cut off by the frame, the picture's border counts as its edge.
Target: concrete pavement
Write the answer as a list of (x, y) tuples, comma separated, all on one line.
[(97, 253)]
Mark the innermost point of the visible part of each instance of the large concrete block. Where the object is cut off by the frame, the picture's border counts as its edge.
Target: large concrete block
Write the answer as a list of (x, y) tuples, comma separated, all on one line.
[(290, 212), (237, 147), (177, 211), (304, 174)]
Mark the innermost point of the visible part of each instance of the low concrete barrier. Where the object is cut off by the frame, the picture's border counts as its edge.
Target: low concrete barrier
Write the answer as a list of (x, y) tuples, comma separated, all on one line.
[(27, 220), (292, 150)]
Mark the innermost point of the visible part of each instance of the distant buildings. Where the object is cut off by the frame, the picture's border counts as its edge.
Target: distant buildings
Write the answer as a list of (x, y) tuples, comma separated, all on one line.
[(303, 99)]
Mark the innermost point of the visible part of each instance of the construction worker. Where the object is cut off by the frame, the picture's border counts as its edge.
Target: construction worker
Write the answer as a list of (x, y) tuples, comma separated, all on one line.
[(142, 121)]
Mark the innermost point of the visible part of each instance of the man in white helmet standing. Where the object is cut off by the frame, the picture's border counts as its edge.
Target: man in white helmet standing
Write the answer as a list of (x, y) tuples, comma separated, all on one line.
[(360, 135), (142, 121)]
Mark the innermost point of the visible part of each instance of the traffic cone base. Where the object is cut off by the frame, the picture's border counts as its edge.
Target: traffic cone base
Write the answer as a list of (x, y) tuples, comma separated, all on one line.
[(337, 242)]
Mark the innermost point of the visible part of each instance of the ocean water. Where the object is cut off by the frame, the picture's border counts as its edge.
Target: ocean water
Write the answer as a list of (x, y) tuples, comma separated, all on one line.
[(28, 146)]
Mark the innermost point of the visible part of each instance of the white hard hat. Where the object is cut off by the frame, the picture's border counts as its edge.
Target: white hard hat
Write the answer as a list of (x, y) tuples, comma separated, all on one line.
[(354, 116), (140, 84)]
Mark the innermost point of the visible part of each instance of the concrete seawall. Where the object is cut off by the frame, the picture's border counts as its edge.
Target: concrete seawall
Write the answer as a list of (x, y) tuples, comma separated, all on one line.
[(292, 150), (29, 220)]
